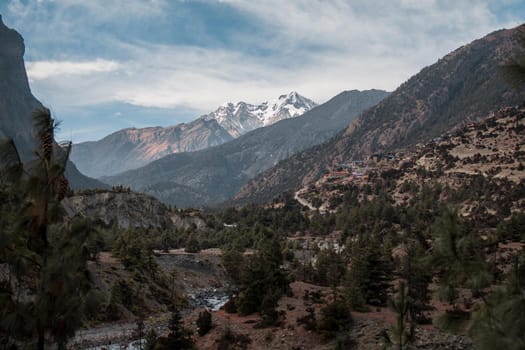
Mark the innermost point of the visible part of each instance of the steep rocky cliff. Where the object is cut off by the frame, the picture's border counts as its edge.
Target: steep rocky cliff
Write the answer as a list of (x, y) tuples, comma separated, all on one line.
[(17, 103), (16, 100)]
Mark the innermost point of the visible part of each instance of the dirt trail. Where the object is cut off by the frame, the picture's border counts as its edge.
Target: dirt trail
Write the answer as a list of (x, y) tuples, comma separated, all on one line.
[(303, 201)]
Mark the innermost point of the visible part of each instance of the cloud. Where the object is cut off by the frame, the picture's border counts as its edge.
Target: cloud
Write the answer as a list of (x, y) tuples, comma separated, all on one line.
[(39, 70), (157, 76), (317, 47), (94, 10), (373, 27)]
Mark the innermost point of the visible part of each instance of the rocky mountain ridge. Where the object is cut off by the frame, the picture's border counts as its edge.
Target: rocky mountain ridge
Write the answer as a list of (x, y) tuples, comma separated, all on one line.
[(126, 209), (132, 148), (463, 86)]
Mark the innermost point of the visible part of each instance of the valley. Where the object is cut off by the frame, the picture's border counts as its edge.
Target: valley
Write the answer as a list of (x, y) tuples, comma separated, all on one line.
[(386, 194), (374, 220)]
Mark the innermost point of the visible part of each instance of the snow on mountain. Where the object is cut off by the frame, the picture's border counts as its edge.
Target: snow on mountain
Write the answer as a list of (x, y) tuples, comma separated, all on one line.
[(237, 119)]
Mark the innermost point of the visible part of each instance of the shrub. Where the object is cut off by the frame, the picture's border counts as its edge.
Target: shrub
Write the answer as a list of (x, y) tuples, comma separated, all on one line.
[(231, 306), (151, 340), (335, 318), (204, 322), (192, 245), (269, 336), (308, 321), (231, 340)]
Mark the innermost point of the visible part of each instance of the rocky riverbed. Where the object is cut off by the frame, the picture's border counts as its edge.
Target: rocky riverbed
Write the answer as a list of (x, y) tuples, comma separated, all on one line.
[(198, 276)]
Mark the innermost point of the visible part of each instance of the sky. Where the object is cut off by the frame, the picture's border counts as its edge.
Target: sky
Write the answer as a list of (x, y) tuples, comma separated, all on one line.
[(104, 65)]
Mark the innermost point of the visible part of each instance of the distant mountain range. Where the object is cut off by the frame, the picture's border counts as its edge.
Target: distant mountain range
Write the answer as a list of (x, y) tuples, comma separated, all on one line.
[(463, 86), (215, 174), (17, 104), (132, 148)]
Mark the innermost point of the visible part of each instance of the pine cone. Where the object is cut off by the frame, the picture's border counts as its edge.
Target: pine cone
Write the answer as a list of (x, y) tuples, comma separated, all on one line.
[(63, 187), (46, 143)]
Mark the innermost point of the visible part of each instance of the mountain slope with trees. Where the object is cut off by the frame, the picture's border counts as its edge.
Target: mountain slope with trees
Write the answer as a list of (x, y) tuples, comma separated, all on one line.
[(463, 86)]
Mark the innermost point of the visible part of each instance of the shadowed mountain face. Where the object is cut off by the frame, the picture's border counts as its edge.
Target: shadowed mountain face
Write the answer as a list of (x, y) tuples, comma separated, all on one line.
[(17, 103), (133, 148), (213, 175), (463, 86)]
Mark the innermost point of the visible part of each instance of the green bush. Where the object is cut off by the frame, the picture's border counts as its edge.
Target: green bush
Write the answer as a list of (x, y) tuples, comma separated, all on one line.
[(231, 306), (308, 321), (192, 245)]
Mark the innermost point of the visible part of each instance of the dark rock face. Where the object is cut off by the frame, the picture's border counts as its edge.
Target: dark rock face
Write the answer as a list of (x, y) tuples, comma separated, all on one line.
[(17, 103), (463, 86), (213, 175)]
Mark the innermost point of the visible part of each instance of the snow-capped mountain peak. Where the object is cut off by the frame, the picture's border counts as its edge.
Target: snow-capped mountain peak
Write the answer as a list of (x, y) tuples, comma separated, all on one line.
[(242, 117)]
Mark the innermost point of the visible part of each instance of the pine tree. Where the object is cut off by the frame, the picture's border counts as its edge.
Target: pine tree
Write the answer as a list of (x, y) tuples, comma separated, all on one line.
[(178, 336), (368, 279), (380, 275), (232, 260), (418, 277), (459, 260), (459, 255), (204, 322), (263, 280), (501, 320), (356, 278), (401, 333), (47, 292), (330, 267)]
